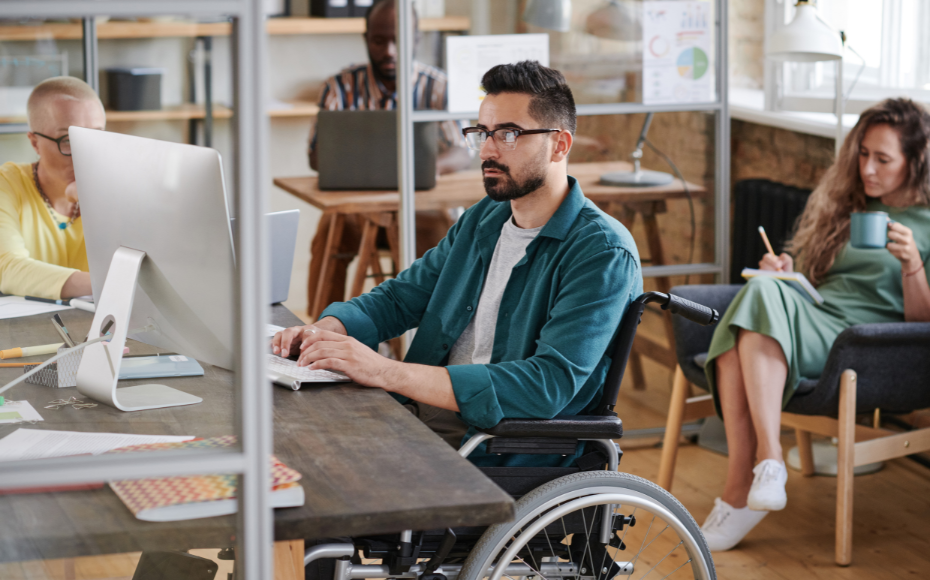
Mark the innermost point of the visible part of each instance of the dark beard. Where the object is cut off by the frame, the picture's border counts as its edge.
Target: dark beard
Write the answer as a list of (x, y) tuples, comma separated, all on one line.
[(506, 188)]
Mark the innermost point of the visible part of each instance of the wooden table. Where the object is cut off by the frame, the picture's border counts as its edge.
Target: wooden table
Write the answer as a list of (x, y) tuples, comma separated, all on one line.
[(379, 209), (369, 466)]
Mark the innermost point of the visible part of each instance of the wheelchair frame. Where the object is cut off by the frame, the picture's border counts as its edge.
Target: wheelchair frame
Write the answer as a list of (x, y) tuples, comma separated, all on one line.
[(600, 428)]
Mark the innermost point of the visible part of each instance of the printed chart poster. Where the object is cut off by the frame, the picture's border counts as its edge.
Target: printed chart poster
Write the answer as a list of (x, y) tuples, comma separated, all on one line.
[(676, 45), (469, 57)]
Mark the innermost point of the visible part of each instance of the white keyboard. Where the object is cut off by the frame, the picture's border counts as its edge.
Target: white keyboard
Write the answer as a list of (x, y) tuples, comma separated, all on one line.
[(286, 373)]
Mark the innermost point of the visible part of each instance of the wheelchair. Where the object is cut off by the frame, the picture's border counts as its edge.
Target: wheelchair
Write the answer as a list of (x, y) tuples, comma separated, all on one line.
[(575, 523)]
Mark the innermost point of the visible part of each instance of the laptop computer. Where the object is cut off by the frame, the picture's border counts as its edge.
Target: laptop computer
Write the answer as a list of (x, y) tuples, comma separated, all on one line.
[(357, 150), (282, 226)]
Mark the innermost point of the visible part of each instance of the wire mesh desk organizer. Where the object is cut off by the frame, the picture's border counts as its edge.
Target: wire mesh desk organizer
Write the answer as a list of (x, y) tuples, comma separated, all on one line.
[(59, 374)]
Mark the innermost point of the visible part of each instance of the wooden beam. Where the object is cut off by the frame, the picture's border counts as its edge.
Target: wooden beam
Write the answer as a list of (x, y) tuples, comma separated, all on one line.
[(276, 26), (655, 351), (699, 407), (892, 446)]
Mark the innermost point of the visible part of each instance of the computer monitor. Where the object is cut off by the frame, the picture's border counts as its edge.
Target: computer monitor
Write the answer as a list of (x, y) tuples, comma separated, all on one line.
[(161, 258), (282, 229)]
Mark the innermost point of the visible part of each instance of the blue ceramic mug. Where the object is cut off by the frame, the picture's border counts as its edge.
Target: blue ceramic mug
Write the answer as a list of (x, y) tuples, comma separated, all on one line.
[(869, 230)]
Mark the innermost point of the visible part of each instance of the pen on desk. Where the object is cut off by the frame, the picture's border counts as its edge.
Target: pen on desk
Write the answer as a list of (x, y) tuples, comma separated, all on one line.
[(48, 300), (768, 245), (30, 350), (17, 365)]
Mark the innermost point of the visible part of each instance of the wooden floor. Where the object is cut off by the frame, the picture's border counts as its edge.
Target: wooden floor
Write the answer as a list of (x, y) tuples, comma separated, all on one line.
[(892, 511)]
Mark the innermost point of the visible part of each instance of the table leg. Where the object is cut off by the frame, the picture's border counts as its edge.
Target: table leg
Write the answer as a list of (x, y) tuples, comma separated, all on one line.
[(289, 560), (367, 254), (657, 254), (324, 279), (393, 236), (318, 249)]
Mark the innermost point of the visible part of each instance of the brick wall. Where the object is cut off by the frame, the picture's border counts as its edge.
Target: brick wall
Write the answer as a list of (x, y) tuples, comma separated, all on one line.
[(747, 30), (760, 151)]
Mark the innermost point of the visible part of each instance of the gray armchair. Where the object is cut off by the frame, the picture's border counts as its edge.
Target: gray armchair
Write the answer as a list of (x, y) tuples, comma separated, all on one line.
[(871, 366)]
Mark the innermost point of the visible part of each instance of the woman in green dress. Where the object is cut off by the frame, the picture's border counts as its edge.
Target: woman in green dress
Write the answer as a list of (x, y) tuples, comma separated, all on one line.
[(771, 336)]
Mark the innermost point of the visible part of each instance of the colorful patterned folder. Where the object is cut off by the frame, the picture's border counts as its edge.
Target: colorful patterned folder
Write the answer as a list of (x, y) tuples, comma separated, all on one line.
[(168, 499)]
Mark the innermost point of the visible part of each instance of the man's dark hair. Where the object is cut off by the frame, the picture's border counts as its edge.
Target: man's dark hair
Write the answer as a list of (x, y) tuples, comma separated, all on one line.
[(552, 103), (416, 19)]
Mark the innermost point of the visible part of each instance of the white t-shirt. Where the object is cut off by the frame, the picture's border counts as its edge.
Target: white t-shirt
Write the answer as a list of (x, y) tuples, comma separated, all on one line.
[(477, 341)]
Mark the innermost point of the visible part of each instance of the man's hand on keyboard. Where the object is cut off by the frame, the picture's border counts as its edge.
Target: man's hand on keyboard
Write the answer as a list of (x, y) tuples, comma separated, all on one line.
[(288, 342), (325, 349)]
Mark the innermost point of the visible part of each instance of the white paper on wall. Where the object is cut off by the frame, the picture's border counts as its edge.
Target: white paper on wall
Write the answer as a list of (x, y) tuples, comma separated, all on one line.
[(676, 47), (469, 57)]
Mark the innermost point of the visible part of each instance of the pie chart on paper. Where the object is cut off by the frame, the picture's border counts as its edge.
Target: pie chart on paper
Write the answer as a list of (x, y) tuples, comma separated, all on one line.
[(692, 63)]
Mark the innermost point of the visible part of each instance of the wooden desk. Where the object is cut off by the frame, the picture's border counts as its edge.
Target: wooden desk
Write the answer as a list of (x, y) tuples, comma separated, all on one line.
[(368, 465), (379, 209)]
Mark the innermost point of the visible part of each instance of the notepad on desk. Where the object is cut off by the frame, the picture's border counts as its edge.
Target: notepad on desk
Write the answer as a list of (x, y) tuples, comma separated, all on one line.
[(169, 499), (796, 280), (159, 366)]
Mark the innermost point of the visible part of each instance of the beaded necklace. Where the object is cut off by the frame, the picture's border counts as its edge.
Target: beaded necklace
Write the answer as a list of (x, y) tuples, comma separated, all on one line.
[(75, 211)]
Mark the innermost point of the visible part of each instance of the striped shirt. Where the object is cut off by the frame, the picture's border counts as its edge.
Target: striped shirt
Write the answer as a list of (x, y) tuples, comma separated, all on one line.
[(356, 88)]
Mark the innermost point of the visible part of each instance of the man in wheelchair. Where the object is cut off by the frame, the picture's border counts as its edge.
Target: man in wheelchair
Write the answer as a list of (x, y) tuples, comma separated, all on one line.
[(516, 309)]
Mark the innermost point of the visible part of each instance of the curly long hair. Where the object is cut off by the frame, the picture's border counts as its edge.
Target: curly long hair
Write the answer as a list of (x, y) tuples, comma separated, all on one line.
[(823, 228)]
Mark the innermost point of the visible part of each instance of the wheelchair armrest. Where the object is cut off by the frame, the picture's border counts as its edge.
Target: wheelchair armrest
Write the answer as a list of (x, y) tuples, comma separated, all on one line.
[(568, 427)]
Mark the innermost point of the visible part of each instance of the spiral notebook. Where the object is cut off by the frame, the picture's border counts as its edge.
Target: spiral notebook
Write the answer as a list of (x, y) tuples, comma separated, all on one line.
[(796, 280)]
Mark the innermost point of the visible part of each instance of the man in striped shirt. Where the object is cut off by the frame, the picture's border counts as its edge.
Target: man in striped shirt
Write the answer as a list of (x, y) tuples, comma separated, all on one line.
[(374, 86)]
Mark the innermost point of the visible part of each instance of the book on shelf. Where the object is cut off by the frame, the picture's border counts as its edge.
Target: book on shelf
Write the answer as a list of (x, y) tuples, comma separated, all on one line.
[(169, 499), (796, 280)]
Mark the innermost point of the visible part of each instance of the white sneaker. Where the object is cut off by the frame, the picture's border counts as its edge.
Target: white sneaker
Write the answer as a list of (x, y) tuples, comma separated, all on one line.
[(726, 526), (768, 488)]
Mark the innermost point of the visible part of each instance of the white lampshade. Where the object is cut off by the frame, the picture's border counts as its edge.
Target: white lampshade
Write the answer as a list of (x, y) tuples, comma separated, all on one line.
[(617, 20), (551, 14), (806, 39)]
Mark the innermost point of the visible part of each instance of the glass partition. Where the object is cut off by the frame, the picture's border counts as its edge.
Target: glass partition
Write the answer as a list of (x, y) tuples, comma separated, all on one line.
[(98, 487)]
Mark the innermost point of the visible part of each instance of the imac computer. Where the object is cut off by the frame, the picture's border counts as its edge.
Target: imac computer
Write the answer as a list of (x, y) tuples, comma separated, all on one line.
[(161, 258)]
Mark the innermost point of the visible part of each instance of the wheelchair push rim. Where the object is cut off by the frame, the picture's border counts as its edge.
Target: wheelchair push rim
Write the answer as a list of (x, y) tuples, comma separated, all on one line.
[(646, 506)]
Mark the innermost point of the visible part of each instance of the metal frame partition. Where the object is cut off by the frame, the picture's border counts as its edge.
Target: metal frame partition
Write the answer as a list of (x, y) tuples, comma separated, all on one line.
[(407, 117), (254, 401)]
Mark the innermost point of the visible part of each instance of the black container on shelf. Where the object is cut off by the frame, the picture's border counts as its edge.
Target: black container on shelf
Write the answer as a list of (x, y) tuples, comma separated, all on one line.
[(339, 8), (359, 7), (134, 88)]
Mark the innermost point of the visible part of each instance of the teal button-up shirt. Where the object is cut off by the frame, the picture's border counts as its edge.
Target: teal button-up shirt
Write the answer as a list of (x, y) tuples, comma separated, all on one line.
[(559, 314)]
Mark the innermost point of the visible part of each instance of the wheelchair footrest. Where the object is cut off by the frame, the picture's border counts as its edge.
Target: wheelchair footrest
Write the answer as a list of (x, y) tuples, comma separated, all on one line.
[(533, 445)]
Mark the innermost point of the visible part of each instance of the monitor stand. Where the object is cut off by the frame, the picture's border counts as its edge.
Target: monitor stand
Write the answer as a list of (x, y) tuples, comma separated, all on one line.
[(99, 370)]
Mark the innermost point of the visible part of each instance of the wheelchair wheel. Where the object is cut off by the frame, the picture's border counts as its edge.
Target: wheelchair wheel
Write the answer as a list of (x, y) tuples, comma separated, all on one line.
[(561, 531)]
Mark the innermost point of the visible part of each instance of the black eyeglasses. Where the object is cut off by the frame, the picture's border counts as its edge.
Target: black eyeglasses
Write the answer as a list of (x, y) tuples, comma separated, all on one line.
[(506, 139), (63, 142)]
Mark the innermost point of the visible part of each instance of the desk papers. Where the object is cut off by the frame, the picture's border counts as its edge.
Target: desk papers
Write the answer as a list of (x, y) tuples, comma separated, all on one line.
[(18, 412), (17, 307), (42, 444)]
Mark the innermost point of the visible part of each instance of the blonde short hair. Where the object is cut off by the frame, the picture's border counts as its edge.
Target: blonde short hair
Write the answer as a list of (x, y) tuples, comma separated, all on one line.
[(56, 87)]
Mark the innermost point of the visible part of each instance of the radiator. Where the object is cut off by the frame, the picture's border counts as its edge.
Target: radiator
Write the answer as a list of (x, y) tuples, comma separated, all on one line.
[(760, 202)]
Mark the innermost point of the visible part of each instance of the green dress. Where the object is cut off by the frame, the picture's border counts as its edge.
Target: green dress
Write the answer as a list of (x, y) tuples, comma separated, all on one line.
[(863, 286)]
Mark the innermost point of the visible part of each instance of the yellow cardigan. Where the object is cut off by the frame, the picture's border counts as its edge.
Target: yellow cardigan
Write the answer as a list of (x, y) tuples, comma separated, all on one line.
[(36, 257)]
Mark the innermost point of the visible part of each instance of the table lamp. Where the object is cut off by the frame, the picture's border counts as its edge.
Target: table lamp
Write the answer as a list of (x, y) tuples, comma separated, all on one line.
[(809, 39), (551, 14), (618, 20)]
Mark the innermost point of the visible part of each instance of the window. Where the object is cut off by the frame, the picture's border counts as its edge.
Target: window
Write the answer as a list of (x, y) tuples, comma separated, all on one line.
[(888, 54)]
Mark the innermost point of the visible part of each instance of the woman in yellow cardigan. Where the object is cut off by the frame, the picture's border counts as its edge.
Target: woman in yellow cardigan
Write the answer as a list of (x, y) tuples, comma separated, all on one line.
[(41, 236)]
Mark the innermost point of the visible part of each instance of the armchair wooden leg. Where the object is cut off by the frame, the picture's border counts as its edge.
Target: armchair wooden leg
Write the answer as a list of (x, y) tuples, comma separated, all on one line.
[(846, 455), (805, 452), (676, 412)]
